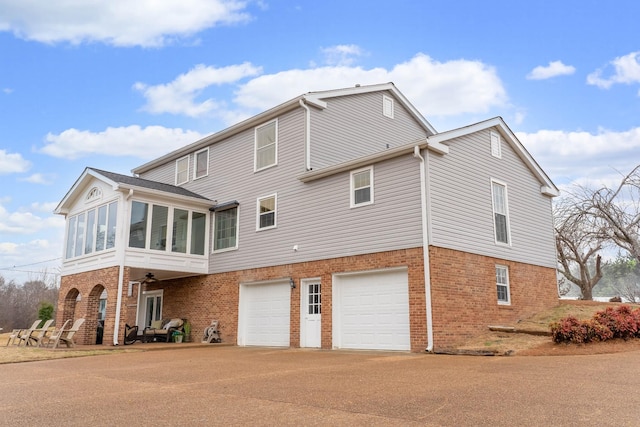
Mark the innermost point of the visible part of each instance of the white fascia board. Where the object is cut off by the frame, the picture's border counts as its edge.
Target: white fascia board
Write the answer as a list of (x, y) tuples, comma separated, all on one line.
[(88, 173), (548, 187), (164, 195)]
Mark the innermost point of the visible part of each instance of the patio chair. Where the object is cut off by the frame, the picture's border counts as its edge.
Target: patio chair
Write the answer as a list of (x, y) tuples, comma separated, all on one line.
[(67, 336), (36, 336), (54, 338), (161, 331), (211, 333), (130, 334), (16, 334)]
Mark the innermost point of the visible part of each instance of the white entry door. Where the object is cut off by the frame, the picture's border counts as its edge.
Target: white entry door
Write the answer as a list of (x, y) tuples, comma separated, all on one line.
[(310, 313)]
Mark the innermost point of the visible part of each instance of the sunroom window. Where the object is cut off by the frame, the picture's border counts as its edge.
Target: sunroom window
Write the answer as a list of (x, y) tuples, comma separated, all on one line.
[(93, 230), (187, 233)]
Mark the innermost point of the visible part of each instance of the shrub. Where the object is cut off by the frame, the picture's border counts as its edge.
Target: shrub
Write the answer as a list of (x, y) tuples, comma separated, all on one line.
[(621, 322), (45, 312)]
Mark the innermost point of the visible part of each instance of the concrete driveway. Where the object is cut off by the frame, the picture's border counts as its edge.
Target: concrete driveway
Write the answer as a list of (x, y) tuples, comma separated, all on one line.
[(219, 385)]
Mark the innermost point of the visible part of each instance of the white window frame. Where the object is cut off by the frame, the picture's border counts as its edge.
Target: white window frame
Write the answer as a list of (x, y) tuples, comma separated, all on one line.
[(273, 196), (353, 189), (505, 284), (257, 168), (496, 145), (195, 164), (178, 162), (215, 229), (388, 106), (495, 183)]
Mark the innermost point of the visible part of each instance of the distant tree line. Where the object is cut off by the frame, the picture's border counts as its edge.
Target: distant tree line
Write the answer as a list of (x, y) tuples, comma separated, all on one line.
[(21, 304), (591, 221)]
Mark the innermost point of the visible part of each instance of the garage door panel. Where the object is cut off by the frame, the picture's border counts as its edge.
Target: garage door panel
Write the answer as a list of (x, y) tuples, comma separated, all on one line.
[(374, 311), (265, 312)]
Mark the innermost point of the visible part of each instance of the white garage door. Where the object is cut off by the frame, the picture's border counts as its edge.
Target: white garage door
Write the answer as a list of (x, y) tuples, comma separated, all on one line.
[(263, 316), (371, 311)]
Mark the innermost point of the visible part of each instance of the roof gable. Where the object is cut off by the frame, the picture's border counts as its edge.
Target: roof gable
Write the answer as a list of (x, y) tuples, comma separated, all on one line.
[(123, 182), (547, 186)]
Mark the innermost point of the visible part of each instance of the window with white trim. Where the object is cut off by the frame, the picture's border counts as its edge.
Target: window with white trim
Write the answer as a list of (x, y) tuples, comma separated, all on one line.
[(201, 168), (502, 285), (387, 106), (167, 229), (93, 230), (500, 212), (267, 212), (182, 170), (362, 187), (226, 229), (266, 146), (496, 145)]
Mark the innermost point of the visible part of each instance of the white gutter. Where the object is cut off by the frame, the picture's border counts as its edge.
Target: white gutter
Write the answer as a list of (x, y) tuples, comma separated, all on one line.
[(121, 255), (425, 246), (307, 136)]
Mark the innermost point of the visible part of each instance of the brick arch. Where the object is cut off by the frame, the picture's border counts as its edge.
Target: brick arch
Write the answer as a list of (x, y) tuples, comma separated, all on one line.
[(91, 315), (70, 303)]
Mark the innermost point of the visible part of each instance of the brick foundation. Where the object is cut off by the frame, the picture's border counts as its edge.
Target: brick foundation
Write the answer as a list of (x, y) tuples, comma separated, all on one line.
[(463, 295)]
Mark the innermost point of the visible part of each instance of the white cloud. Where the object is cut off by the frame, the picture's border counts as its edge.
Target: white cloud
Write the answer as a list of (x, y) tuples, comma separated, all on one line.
[(23, 222), (47, 207), (435, 88), (12, 163), (582, 156), (39, 178), (627, 71), (555, 68), (148, 23), (178, 96), (144, 143), (344, 54), (7, 90)]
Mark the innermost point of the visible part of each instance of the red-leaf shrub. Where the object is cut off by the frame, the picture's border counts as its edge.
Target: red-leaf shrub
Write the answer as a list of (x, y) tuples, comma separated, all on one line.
[(621, 322)]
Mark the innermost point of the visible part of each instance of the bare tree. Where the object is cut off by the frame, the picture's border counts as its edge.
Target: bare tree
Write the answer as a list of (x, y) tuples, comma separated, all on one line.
[(616, 212), (578, 244)]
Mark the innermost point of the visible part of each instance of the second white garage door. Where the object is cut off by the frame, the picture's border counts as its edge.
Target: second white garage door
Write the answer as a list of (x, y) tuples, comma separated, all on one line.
[(264, 314), (371, 310)]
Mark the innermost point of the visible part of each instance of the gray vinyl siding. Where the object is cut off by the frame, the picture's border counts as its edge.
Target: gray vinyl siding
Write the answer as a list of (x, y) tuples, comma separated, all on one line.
[(354, 126), (461, 203), (317, 216)]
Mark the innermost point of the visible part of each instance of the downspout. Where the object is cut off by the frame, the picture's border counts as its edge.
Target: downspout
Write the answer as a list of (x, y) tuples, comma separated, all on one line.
[(425, 246), (307, 136), (121, 255)]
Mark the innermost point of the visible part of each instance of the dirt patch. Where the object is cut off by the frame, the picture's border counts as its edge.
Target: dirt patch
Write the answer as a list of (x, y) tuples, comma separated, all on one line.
[(523, 344)]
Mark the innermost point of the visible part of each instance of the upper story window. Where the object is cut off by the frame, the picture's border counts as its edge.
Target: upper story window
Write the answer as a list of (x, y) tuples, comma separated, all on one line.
[(500, 212), (502, 283), (226, 229), (362, 187), (165, 228), (201, 168), (496, 145), (182, 170), (387, 106), (267, 212), (266, 146), (90, 231)]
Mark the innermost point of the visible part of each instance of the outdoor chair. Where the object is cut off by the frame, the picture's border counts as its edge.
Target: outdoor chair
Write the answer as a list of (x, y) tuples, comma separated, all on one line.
[(161, 330), (36, 336), (130, 334), (67, 336), (54, 338), (17, 334), (211, 333)]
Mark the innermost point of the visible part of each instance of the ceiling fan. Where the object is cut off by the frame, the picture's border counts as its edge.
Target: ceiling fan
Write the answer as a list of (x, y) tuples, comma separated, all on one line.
[(148, 278)]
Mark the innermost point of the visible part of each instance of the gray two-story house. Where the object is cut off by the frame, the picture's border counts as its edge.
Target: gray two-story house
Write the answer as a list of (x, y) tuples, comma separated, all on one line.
[(338, 219)]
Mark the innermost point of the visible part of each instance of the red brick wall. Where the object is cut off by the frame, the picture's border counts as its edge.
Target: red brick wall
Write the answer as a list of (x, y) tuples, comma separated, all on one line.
[(90, 285), (464, 297)]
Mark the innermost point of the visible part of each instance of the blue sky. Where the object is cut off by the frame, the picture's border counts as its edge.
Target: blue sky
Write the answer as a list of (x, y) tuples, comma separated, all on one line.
[(113, 84)]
